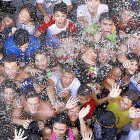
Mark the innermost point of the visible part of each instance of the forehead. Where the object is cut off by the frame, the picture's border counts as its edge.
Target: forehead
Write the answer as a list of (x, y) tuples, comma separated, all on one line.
[(68, 74), (82, 97), (12, 64), (59, 125), (107, 21), (39, 56), (25, 11), (59, 13), (126, 100), (33, 100), (8, 90), (75, 108)]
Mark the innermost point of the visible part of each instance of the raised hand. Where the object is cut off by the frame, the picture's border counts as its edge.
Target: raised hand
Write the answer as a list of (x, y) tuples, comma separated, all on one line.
[(19, 135), (134, 113), (87, 136), (72, 102), (26, 123), (115, 91), (84, 111)]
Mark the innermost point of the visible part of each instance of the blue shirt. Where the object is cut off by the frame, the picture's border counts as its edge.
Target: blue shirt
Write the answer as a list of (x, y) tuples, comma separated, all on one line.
[(11, 48)]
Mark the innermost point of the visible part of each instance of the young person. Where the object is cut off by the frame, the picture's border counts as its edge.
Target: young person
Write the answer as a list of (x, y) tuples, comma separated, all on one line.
[(55, 26), (62, 85), (26, 18), (22, 45), (89, 12)]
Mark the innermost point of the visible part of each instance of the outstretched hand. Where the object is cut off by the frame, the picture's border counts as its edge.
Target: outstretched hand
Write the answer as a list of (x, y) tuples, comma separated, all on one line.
[(134, 113), (19, 135), (115, 91), (87, 136), (72, 102), (84, 111)]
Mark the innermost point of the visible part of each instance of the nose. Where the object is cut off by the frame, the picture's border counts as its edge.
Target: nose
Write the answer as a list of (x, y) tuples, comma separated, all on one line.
[(67, 80)]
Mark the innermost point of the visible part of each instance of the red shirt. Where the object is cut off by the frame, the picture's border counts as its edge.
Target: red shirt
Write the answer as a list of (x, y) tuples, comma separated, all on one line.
[(92, 108)]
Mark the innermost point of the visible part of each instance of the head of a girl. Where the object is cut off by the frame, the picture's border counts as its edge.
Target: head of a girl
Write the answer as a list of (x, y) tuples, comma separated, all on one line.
[(28, 13), (73, 113), (42, 59), (60, 126), (133, 63)]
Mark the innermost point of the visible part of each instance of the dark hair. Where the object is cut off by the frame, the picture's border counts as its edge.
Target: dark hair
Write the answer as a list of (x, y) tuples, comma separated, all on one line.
[(61, 7), (21, 37), (9, 84), (45, 52), (10, 58), (106, 15), (132, 56), (0, 22), (31, 10), (65, 34), (106, 118), (68, 68), (1, 42), (40, 78), (31, 93), (84, 90), (132, 95)]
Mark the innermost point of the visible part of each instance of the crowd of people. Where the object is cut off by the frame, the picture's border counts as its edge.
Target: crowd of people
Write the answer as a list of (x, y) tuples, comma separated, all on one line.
[(70, 71)]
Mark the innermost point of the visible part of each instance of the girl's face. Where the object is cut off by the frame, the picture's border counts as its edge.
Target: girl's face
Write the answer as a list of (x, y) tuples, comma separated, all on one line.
[(59, 129), (41, 61), (125, 16), (73, 113), (133, 66), (24, 16)]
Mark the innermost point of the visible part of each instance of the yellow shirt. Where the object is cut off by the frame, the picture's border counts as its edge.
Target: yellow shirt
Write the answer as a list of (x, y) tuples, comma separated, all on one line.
[(121, 115)]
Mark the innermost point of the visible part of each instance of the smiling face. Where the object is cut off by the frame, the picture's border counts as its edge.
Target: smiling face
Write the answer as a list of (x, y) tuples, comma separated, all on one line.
[(8, 95), (11, 69), (82, 99), (125, 16), (106, 27), (33, 104), (59, 130), (73, 113), (38, 88), (125, 103), (92, 5), (24, 16), (60, 19), (135, 42), (132, 67), (41, 61), (67, 78)]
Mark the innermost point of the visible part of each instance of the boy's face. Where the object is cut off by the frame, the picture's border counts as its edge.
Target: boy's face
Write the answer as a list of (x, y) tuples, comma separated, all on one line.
[(24, 47), (125, 103), (82, 99), (60, 19), (8, 95), (135, 42), (106, 27), (133, 66), (125, 16), (92, 5), (11, 69), (38, 88)]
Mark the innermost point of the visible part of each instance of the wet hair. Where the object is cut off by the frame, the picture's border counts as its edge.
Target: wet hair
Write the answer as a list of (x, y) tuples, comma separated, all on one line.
[(61, 7), (9, 84), (132, 56), (106, 16), (0, 22), (31, 93), (31, 10), (1, 42), (45, 52), (10, 58), (125, 6), (40, 78), (84, 90), (106, 118), (132, 95), (68, 68), (65, 34), (21, 37)]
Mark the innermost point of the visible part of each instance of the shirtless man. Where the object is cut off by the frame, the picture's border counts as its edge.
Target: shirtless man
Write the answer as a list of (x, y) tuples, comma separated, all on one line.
[(10, 70)]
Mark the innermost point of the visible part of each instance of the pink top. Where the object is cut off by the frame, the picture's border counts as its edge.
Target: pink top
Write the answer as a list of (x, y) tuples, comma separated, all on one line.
[(70, 135)]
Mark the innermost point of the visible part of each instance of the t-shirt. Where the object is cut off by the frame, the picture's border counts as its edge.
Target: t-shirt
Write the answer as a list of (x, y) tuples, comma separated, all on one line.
[(53, 31), (121, 115), (48, 5), (92, 108), (11, 48), (58, 86), (134, 135), (83, 11)]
